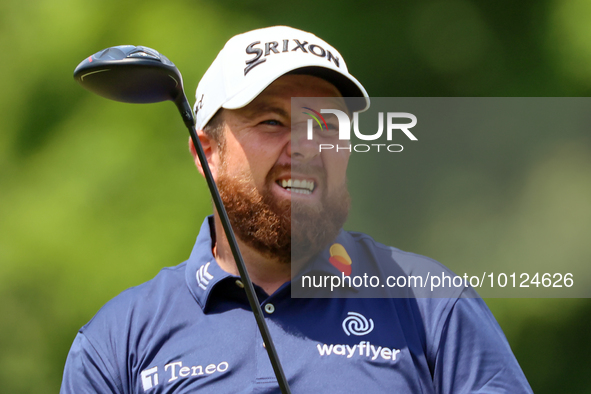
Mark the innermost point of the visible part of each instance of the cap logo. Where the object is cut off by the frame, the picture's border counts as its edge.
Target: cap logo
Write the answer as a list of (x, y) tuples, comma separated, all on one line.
[(199, 104), (296, 45)]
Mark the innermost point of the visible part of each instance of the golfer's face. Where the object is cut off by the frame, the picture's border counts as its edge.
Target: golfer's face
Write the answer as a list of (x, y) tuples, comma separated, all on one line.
[(280, 159)]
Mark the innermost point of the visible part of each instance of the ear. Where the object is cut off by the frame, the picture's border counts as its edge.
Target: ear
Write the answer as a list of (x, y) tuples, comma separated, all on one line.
[(210, 149)]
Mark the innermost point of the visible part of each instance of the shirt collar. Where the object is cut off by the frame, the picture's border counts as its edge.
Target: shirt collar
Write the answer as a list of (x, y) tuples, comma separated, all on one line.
[(203, 272)]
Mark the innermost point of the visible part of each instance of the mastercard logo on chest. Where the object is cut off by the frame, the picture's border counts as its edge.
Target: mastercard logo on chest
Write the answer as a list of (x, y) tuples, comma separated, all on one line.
[(340, 259)]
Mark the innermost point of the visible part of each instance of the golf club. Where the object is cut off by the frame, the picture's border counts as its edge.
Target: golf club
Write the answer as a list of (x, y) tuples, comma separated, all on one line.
[(137, 74)]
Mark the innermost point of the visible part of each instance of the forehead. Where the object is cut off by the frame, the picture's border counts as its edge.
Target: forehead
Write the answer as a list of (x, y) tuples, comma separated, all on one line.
[(303, 85), (278, 95)]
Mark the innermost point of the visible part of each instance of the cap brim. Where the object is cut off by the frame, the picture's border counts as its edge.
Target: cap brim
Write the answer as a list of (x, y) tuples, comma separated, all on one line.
[(346, 84)]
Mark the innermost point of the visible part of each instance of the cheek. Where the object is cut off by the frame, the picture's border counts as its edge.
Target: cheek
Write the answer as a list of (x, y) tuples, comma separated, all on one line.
[(336, 165), (263, 151), (258, 161)]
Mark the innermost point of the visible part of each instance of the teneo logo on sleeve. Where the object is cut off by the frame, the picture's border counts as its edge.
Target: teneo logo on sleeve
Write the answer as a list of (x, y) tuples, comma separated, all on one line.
[(395, 122), (175, 370)]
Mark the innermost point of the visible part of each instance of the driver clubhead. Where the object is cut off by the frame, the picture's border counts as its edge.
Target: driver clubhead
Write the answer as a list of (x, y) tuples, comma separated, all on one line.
[(130, 74)]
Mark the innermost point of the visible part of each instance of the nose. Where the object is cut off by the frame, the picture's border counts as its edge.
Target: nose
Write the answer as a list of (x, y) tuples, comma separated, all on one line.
[(303, 146)]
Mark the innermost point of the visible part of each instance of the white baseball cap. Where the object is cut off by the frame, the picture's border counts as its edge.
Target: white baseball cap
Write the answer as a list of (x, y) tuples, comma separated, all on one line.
[(251, 61)]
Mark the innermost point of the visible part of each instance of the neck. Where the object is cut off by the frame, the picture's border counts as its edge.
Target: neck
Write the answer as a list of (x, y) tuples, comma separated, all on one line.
[(264, 271)]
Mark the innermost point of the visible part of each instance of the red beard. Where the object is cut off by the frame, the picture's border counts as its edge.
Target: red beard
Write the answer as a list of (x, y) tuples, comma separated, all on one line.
[(279, 228)]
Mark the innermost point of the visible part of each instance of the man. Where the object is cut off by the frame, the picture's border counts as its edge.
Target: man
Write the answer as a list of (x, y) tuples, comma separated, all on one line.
[(190, 329)]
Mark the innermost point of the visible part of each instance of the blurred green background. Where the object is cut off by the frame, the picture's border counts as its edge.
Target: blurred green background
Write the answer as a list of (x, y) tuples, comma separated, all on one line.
[(97, 196)]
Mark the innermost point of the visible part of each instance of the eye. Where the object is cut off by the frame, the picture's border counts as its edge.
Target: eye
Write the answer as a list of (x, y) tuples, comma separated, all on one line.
[(329, 130), (272, 122)]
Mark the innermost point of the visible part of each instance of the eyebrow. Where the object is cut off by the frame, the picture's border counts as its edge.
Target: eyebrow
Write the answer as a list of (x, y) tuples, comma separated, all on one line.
[(269, 108), (339, 103)]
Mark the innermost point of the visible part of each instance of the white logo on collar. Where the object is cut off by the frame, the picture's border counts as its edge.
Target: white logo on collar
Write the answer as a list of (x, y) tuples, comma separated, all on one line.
[(356, 324), (203, 277)]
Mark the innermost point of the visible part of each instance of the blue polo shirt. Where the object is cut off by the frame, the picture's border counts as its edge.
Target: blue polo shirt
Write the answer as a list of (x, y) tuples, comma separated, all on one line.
[(190, 329)]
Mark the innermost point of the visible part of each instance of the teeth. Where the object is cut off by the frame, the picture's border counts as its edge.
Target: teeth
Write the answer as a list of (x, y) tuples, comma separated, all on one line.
[(301, 186), (301, 191)]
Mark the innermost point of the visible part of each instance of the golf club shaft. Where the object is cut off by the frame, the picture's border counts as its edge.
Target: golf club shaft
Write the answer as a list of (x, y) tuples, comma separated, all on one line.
[(189, 120)]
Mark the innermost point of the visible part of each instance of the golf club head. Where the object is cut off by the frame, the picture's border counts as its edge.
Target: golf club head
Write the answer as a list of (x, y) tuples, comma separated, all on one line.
[(130, 74)]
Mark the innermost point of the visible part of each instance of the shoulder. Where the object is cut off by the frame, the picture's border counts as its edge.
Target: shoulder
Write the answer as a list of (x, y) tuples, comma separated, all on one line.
[(459, 328), (110, 342), (428, 278), (410, 263), (161, 286), (417, 277), (137, 308)]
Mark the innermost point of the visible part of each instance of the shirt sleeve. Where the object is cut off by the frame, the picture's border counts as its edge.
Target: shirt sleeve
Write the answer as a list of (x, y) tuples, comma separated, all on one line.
[(473, 354), (87, 372)]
